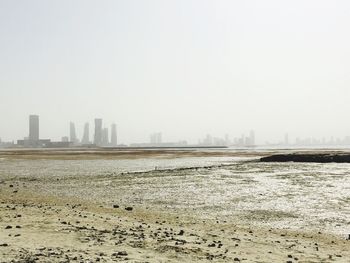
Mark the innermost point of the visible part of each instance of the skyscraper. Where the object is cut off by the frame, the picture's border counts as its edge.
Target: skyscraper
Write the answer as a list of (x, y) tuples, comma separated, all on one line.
[(286, 139), (98, 132), (156, 138), (252, 138), (86, 135), (72, 134), (114, 135), (33, 127)]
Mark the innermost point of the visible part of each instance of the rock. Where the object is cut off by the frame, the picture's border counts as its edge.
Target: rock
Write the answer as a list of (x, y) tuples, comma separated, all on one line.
[(8, 227), (4, 245), (308, 158), (115, 206), (181, 232), (236, 259), (129, 208)]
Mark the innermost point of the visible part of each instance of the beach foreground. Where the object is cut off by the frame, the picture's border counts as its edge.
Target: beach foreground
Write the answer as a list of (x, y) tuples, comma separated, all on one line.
[(47, 225)]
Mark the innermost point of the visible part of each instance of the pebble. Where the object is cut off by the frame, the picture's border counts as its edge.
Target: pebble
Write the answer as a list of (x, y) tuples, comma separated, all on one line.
[(120, 253)]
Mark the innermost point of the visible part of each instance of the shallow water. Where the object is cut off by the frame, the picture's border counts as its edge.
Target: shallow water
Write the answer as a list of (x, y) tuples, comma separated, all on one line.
[(286, 195)]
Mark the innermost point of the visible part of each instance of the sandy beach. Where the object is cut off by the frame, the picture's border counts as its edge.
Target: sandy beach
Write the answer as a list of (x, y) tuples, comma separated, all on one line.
[(40, 222)]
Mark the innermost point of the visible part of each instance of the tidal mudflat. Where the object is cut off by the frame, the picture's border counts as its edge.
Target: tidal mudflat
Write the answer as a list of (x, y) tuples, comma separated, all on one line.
[(171, 206)]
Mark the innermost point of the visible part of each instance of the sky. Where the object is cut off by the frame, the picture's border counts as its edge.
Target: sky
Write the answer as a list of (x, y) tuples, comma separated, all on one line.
[(185, 68)]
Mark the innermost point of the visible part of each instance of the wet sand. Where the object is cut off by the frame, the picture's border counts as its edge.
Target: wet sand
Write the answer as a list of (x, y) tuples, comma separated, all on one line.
[(41, 226), (36, 228), (97, 153)]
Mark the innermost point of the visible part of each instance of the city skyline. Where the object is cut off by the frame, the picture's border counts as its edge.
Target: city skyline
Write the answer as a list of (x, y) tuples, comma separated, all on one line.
[(188, 68), (105, 137)]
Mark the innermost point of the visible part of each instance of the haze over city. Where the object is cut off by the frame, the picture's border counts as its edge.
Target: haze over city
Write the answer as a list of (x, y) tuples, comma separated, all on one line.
[(183, 68), (174, 131)]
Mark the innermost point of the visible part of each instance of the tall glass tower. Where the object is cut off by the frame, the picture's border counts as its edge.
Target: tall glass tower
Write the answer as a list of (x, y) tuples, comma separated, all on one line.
[(33, 127), (98, 132)]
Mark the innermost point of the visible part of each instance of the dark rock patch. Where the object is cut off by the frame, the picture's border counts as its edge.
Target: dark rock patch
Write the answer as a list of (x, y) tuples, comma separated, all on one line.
[(308, 158)]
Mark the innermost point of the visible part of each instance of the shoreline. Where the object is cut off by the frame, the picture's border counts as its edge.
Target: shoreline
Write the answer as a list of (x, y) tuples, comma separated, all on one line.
[(164, 153), (93, 154)]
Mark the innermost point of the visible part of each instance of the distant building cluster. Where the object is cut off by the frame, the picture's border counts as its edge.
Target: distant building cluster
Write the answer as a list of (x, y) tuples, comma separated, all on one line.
[(157, 141), (156, 138), (243, 141), (107, 137), (101, 136), (312, 142), (6, 144)]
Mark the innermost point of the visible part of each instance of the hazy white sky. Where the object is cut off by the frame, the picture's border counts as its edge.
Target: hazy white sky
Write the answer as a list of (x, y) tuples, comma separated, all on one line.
[(185, 68)]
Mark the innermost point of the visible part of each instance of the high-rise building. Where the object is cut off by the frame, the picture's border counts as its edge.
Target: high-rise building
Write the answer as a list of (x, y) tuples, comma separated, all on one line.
[(208, 140), (114, 135), (86, 135), (72, 134), (33, 127), (98, 132), (105, 140), (227, 140), (286, 139), (252, 137), (156, 138)]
